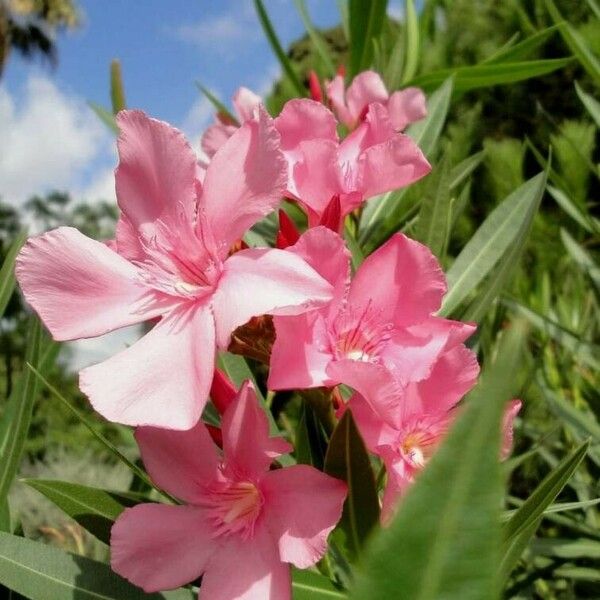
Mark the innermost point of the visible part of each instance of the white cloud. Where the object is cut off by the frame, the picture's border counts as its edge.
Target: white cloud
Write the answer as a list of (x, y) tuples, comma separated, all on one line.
[(50, 140), (101, 187)]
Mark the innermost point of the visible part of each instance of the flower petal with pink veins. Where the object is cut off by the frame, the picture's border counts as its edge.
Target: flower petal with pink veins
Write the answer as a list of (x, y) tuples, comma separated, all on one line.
[(128, 243), (367, 87), (510, 413), (303, 505), (390, 165), (244, 181), (245, 572), (215, 136), (326, 252), (156, 172), (300, 353), (162, 380), (372, 381), (177, 461), (315, 176), (407, 106), (159, 547), (402, 279), (453, 375), (80, 288), (247, 447), (303, 119), (246, 103), (265, 281), (336, 94)]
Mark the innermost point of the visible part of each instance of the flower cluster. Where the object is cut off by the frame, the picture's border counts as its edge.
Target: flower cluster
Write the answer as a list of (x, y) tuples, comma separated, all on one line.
[(178, 262)]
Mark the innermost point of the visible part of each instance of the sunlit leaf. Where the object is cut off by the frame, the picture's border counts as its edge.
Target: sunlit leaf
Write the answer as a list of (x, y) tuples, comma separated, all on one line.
[(117, 90), (307, 585), (411, 42), (7, 272)]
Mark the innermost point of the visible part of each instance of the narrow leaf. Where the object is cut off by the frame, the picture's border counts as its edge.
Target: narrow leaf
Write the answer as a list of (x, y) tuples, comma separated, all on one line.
[(105, 116), (523, 49), (311, 444), (492, 241), (315, 37), (7, 272), (581, 257), (592, 105), (411, 41), (284, 61), (94, 509), (347, 459), (26, 392), (42, 572), (307, 585), (117, 91), (219, 106), (366, 22)]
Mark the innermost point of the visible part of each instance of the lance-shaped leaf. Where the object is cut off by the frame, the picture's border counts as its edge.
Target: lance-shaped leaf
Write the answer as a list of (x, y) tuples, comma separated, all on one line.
[(592, 105), (366, 22), (315, 37), (7, 272), (520, 51), (494, 239), (308, 585), (518, 530), (347, 459), (117, 90), (411, 42), (41, 572), (311, 444), (444, 541), (94, 509)]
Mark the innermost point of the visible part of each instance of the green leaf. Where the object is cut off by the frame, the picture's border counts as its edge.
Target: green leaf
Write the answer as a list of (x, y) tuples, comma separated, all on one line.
[(354, 247), (463, 169), (284, 61), (591, 104), (576, 43), (320, 46), (565, 548), (308, 585), (117, 91), (581, 257), (523, 49), (41, 572), (411, 41), (105, 116), (492, 241), (5, 523), (435, 216), (518, 530), (347, 459), (584, 351), (7, 272), (219, 106), (98, 435), (444, 540), (311, 444), (366, 22), (485, 75), (588, 222), (25, 394), (392, 75), (425, 133), (94, 509)]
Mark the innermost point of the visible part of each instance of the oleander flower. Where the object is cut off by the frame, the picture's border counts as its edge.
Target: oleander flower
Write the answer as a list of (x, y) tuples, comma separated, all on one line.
[(171, 259), (351, 105), (426, 411), (379, 330), (372, 160), (242, 524)]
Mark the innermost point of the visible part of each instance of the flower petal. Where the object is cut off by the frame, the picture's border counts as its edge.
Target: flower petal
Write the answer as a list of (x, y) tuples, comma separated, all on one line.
[(336, 94), (179, 462), (302, 506), (402, 279), (160, 547), (300, 355), (373, 429), (407, 106), (247, 447), (366, 88), (246, 103), (510, 413), (265, 281), (79, 287), (244, 181), (247, 570), (162, 380), (156, 173), (372, 381), (215, 136)]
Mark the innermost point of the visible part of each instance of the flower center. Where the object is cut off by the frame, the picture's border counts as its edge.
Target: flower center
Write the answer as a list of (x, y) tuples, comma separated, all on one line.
[(360, 334), (420, 441), (234, 507)]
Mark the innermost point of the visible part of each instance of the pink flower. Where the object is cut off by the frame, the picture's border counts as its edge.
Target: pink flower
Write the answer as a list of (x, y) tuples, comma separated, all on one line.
[(379, 329), (404, 106), (171, 261), (241, 524), (372, 160), (245, 103), (426, 411)]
